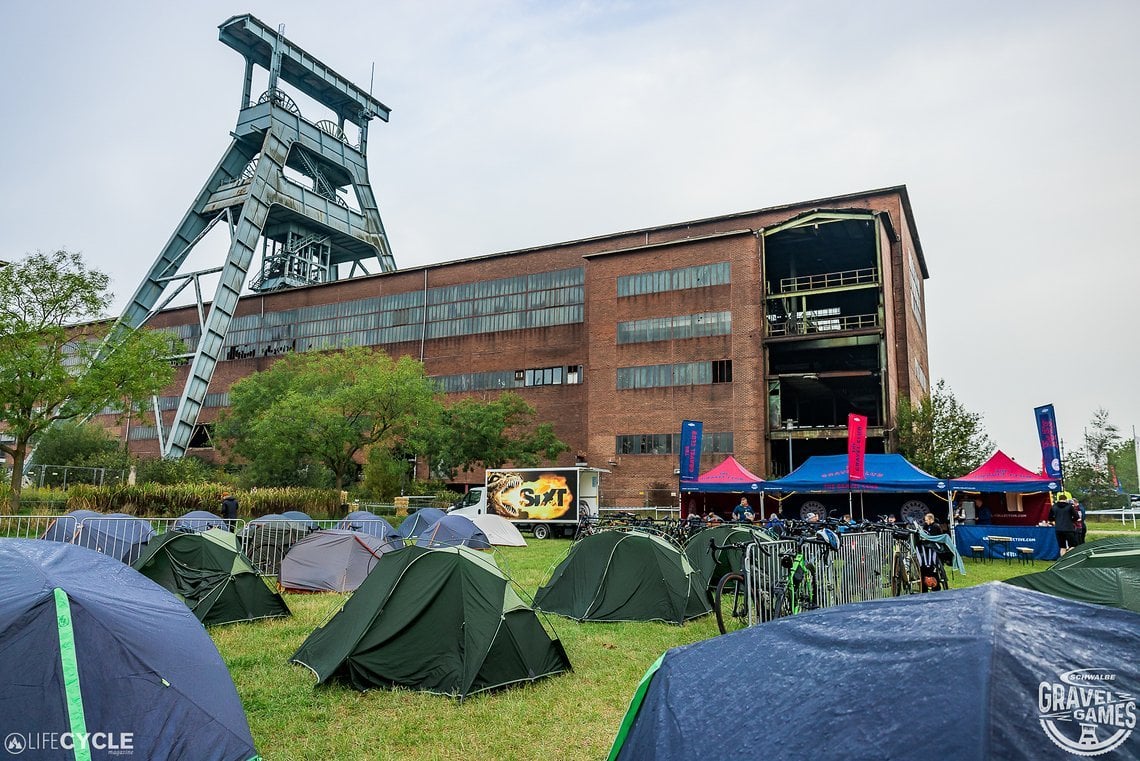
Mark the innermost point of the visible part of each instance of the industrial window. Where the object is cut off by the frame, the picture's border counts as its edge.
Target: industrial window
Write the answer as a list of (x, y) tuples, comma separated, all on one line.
[(678, 327), (544, 376), (685, 278), (669, 443), (722, 371), (573, 374), (660, 376)]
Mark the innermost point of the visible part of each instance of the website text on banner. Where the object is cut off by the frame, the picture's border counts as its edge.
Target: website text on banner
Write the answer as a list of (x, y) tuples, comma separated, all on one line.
[(856, 446), (691, 432)]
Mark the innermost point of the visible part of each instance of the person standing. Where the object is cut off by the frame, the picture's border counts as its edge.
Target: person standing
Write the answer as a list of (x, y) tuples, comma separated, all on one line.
[(1065, 517), (229, 510), (1081, 527), (743, 512)]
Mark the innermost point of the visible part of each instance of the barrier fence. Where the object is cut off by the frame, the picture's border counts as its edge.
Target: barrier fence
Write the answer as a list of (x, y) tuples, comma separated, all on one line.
[(859, 570)]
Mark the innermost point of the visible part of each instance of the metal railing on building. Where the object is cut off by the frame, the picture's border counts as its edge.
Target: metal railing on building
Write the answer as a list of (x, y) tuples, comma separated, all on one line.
[(799, 326), (823, 280)]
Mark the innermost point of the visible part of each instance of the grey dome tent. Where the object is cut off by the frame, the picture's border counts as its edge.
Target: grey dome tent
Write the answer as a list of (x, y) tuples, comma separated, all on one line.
[(332, 561), (625, 576), (368, 523), (87, 644), (265, 540), (208, 572), (200, 520), (300, 517), (985, 672), (453, 531), (1105, 572), (65, 528), (446, 621), (116, 534), (416, 523)]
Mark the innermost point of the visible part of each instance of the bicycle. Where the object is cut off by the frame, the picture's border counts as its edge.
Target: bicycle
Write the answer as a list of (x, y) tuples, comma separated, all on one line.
[(931, 566), (734, 607), (906, 577), (802, 589)]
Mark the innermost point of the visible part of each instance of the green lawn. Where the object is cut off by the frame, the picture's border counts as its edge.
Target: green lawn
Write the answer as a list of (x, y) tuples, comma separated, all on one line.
[(567, 717)]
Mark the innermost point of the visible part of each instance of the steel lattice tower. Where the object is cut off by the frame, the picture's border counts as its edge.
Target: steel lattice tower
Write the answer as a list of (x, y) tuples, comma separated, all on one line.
[(306, 228)]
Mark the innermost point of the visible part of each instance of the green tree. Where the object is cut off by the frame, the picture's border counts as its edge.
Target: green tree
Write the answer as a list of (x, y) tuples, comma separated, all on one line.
[(75, 443), (1123, 461), (941, 436), (1086, 468), (493, 434), (327, 410), (48, 347)]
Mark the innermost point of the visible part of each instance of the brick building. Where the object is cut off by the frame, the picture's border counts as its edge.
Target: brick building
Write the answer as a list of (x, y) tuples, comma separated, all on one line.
[(770, 326)]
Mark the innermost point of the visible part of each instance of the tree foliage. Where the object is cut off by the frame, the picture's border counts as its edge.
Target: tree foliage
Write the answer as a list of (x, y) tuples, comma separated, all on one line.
[(493, 434), (49, 346), (941, 436), (1086, 468), (326, 410)]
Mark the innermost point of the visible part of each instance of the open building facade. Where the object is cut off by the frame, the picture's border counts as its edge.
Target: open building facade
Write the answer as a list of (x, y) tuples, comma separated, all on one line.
[(769, 326)]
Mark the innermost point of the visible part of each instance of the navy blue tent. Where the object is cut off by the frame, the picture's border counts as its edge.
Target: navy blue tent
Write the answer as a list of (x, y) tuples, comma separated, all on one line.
[(116, 534), (986, 672), (367, 523), (88, 644), (200, 520), (882, 473), (416, 523), (453, 531), (66, 527)]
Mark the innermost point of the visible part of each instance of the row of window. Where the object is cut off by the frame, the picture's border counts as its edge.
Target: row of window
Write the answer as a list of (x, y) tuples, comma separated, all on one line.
[(490, 381), (684, 374), (670, 443), (675, 328), (681, 279)]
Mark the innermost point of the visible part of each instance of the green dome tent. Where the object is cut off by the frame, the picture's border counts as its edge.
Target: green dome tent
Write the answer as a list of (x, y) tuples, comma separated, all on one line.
[(208, 572), (712, 568), (442, 620), (1105, 572), (625, 576)]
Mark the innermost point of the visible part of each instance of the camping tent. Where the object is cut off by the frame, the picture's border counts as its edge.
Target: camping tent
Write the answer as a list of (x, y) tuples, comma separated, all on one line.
[(299, 517), (881, 472), (368, 523), (91, 646), (332, 561), (624, 576), (65, 528), (445, 621), (500, 531), (265, 540), (207, 572), (1105, 572), (199, 520), (415, 524), (116, 534), (453, 531), (712, 568), (1001, 475), (984, 672), (729, 476)]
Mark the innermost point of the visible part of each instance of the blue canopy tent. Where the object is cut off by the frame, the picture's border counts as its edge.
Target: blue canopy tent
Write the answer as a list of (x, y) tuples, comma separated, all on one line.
[(882, 473)]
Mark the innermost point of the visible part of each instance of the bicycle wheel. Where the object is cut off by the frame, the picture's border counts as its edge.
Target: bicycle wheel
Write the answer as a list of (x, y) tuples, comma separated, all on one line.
[(783, 604), (730, 603), (900, 582)]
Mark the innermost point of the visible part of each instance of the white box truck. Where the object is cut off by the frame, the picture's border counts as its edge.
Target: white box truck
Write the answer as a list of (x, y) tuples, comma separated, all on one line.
[(547, 501)]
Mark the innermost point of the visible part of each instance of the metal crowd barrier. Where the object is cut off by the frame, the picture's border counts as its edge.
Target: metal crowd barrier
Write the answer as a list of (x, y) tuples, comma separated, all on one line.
[(123, 538), (858, 571)]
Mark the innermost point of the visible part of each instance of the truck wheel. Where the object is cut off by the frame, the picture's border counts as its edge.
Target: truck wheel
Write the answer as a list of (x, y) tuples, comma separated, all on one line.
[(541, 531)]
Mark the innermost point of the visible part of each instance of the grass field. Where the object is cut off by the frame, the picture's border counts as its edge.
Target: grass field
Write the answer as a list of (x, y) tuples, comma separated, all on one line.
[(573, 716)]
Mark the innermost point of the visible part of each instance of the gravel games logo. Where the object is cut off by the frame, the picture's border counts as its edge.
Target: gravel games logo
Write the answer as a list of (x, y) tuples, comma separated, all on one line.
[(1085, 712)]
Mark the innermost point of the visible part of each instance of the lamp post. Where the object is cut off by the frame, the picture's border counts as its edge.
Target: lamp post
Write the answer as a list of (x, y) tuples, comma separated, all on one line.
[(788, 424)]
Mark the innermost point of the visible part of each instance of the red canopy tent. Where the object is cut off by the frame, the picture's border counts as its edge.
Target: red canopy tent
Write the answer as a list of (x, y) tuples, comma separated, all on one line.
[(730, 477), (1025, 500)]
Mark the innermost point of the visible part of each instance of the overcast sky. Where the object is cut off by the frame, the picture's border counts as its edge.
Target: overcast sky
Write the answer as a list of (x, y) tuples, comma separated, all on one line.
[(1013, 124)]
